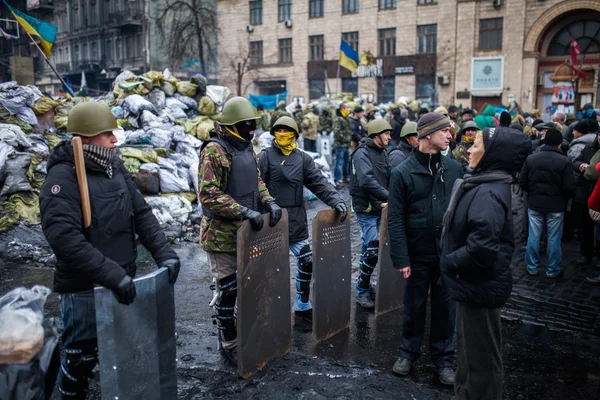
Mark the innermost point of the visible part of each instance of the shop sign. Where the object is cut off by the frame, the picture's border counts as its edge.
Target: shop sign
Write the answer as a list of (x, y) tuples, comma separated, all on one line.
[(404, 70), (487, 73), (369, 71)]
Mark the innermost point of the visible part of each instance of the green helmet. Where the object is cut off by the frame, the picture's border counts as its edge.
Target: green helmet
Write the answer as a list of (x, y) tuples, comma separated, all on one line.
[(286, 121), (378, 126), (238, 109), (409, 128), (469, 125), (91, 118), (281, 104)]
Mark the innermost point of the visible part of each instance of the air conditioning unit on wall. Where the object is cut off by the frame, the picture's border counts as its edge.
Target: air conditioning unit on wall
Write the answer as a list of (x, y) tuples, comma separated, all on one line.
[(288, 23), (249, 28), (497, 3)]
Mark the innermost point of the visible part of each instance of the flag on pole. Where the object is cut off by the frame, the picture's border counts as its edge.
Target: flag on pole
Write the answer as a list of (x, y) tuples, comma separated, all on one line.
[(575, 50), (45, 31), (68, 84), (83, 80), (348, 57), (7, 36)]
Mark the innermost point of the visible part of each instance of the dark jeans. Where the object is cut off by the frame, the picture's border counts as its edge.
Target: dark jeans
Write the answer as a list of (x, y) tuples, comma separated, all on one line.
[(479, 350), (310, 145), (586, 230), (443, 316), (342, 163)]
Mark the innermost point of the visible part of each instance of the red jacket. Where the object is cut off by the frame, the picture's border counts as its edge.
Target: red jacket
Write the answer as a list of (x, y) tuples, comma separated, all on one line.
[(594, 200)]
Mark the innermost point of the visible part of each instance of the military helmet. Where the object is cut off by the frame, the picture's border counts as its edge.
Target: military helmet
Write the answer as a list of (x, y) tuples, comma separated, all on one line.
[(238, 109), (378, 126), (281, 104), (287, 122), (441, 110), (409, 128), (469, 125), (91, 118)]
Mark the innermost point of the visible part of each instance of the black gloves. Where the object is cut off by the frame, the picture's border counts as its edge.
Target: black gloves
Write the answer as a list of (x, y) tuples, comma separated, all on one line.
[(173, 266), (125, 291), (256, 218), (341, 208), (274, 210)]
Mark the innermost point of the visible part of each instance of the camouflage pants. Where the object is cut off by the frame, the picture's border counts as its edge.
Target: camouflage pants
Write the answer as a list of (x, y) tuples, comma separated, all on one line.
[(222, 265)]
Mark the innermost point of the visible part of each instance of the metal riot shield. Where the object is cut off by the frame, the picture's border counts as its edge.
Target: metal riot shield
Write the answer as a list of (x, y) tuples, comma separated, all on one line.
[(332, 264), (390, 283), (136, 343), (264, 329)]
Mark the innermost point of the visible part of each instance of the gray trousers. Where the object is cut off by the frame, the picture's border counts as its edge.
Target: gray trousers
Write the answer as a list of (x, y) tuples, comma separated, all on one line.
[(479, 352)]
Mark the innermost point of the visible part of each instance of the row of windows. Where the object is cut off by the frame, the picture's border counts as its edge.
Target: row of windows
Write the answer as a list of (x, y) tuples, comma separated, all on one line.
[(386, 87), (316, 8), (117, 48), (86, 13)]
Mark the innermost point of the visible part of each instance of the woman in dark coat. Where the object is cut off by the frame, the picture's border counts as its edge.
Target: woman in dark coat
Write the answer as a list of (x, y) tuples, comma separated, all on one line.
[(477, 247)]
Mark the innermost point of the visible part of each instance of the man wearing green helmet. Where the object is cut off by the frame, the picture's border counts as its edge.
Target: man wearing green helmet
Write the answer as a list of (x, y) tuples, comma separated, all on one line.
[(286, 170), (408, 142), (369, 181), (103, 253), (280, 112), (468, 132), (230, 191)]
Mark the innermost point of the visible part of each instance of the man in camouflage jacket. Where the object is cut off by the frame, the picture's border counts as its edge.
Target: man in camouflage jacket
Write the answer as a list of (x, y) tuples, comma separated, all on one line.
[(280, 112), (230, 191), (341, 142)]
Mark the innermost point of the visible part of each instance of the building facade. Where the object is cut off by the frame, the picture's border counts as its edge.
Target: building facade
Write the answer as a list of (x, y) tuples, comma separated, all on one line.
[(468, 52)]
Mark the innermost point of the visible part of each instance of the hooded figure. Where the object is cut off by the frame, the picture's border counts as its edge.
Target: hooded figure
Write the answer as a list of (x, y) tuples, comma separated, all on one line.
[(477, 248), (487, 118)]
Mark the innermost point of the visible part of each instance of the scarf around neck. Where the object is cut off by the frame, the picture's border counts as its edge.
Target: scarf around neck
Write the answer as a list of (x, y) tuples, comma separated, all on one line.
[(468, 182), (286, 142), (102, 156)]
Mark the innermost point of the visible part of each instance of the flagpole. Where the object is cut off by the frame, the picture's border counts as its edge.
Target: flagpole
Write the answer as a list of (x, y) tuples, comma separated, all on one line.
[(50, 64), (337, 78)]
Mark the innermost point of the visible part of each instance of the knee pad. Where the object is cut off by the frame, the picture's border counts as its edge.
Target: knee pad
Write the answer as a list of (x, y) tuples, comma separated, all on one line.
[(224, 305), (224, 290), (305, 261), (371, 254), (76, 369)]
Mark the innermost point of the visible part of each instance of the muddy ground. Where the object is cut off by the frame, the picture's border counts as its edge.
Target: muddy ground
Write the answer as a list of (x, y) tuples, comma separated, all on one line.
[(541, 360)]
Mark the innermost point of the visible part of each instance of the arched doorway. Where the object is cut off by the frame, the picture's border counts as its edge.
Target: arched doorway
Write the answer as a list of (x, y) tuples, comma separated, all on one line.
[(554, 48)]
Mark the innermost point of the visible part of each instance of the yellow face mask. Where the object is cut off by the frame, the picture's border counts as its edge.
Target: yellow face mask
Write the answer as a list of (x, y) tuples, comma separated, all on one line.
[(345, 112), (467, 139), (285, 141)]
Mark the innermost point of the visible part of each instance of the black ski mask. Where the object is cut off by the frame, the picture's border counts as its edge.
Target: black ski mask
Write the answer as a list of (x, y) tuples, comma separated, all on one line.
[(246, 129)]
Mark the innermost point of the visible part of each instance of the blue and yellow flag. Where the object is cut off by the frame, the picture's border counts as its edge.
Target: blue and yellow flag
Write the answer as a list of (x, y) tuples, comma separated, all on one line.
[(348, 57), (45, 31)]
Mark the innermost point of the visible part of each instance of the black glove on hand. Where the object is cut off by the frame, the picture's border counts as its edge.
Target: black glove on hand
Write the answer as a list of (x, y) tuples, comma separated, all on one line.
[(275, 212), (341, 208), (256, 218), (173, 266), (126, 290)]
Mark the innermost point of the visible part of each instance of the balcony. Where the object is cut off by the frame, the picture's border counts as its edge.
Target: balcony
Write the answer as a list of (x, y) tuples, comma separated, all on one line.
[(41, 6), (130, 18), (63, 68), (89, 65)]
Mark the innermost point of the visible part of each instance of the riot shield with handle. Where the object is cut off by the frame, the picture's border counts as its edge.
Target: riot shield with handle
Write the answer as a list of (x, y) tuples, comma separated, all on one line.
[(136, 343), (332, 265), (390, 282), (264, 330)]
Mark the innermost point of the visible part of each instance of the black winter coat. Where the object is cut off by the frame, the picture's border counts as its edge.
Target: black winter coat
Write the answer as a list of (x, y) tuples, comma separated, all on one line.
[(547, 177), (369, 177), (106, 251), (479, 244), (356, 130), (418, 201), (584, 187), (285, 177), (397, 124), (398, 154)]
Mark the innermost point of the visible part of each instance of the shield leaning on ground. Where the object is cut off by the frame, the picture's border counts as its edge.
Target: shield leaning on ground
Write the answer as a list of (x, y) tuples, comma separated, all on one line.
[(332, 265), (390, 283), (263, 302), (136, 343)]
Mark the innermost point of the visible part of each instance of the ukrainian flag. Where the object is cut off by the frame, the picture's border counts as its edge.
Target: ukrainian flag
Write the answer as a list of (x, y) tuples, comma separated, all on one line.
[(348, 57), (36, 27)]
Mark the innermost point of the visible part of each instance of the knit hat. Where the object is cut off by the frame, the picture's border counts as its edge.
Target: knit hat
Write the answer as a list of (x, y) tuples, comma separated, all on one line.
[(432, 122), (452, 109), (553, 137), (593, 124), (488, 134), (467, 111), (582, 127)]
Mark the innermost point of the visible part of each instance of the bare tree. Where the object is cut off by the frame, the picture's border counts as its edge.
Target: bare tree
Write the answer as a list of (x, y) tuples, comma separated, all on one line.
[(243, 68), (188, 26)]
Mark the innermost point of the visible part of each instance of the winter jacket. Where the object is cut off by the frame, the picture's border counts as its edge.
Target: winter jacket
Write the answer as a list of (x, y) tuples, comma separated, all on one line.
[(419, 197), (460, 152), (487, 118), (369, 177), (280, 112), (478, 245), (584, 187), (356, 129), (548, 179), (286, 176), (310, 126), (106, 251), (397, 123), (577, 145), (400, 153), (594, 200), (341, 131)]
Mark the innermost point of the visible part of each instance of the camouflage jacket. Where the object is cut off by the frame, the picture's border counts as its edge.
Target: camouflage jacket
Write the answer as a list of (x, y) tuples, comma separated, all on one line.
[(310, 124), (215, 168), (263, 121), (278, 114), (460, 153), (298, 118), (325, 123), (341, 131)]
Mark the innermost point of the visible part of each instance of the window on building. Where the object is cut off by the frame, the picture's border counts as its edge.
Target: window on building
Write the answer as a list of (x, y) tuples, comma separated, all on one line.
[(426, 38), (256, 53), (108, 50), (427, 2), (387, 42), (490, 34), (316, 88), (285, 51), (386, 89), (84, 52), (350, 85), (139, 52), (349, 6), (317, 47), (118, 48), (352, 39), (285, 10), (425, 86), (586, 33), (384, 4), (256, 12), (129, 47), (93, 51), (316, 8)]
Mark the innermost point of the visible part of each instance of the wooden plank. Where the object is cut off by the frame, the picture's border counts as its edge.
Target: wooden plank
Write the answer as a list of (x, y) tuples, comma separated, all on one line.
[(332, 264), (263, 303)]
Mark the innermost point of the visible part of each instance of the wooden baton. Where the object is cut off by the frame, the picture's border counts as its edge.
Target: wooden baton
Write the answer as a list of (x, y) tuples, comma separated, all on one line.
[(84, 193)]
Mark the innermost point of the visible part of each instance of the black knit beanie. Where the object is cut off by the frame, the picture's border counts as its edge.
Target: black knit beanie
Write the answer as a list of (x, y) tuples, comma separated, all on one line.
[(432, 122), (488, 134), (582, 127)]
